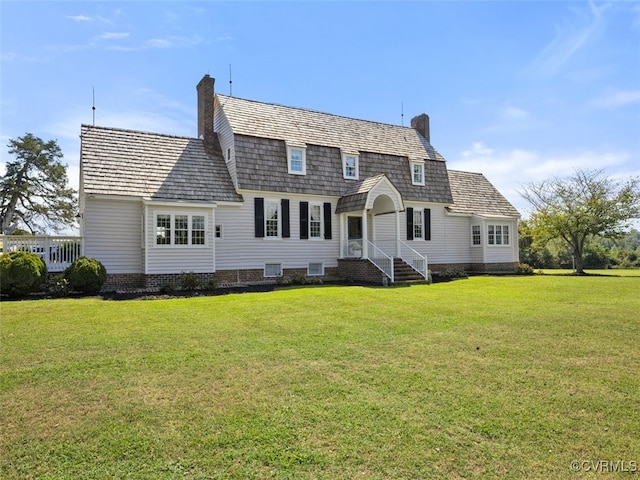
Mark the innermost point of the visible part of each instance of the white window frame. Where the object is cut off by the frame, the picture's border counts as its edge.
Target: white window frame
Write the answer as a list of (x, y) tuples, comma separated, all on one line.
[(315, 273), (356, 167), (166, 230), (415, 164), (320, 235), (498, 235), (303, 151), (272, 265), (192, 229), (172, 230), (219, 231), (278, 205), (418, 214), (476, 235)]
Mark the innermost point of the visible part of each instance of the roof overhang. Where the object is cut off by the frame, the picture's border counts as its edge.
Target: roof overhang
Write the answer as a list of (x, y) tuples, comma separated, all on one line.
[(162, 202)]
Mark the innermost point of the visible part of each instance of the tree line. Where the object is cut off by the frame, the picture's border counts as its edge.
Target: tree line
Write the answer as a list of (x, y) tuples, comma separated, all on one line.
[(599, 252)]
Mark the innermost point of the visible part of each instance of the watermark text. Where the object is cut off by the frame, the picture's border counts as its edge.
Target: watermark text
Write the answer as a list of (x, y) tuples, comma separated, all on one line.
[(602, 466)]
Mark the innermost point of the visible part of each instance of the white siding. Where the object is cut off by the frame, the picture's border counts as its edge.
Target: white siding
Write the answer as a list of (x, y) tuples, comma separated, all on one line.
[(385, 231), (225, 135), (112, 231), (178, 259), (501, 253), (450, 236), (240, 249)]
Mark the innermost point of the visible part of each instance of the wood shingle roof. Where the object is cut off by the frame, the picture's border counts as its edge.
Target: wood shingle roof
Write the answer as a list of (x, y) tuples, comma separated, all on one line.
[(132, 163), (474, 194), (301, 126), (262, 132)]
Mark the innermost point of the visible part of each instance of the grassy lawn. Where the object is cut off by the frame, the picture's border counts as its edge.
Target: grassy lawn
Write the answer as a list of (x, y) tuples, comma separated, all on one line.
[(610, 272), (489, 377)]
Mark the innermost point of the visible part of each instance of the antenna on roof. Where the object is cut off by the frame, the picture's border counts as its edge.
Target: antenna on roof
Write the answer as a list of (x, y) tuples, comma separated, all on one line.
[(93, 106), (230, 82), (402, 113)]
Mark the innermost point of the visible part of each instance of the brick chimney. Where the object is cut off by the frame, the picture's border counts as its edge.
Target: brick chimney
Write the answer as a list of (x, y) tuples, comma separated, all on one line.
[(421, 124), (205, 109)]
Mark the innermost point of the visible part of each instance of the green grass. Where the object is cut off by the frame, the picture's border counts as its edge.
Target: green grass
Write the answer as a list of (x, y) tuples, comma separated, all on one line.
[(609, 272), (489, 377)]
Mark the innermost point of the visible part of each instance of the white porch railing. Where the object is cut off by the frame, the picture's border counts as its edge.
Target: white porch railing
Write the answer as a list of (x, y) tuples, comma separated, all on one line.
[(58, 252), (414, 259), (381, 260)]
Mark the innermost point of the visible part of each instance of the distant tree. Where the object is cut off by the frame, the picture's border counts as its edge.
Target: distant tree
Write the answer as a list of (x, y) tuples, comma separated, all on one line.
[(34, 191), (581, 206), (537, 255)]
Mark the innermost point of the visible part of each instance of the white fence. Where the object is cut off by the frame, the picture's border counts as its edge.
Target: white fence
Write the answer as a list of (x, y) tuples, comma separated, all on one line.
[(58, 252)]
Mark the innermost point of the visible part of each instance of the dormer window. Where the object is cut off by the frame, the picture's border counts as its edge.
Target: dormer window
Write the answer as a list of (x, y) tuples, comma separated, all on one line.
[(417, 173), (297, 160), (350, 166)]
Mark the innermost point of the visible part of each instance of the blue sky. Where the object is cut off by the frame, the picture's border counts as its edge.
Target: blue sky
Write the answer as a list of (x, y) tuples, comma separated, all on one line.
[(519, 91)]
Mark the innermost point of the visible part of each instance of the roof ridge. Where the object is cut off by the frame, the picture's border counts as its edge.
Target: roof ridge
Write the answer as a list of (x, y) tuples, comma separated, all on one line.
[(464, 171), (310, 110), (131, 130)]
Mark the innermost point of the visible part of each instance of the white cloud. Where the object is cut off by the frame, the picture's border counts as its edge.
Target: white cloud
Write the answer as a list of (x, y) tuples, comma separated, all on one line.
[(617, 98), (85, 18), (152, 43), (510, 170), (112, 35), (571, 37), (79, 18), (478, 149), (158, 43), (514, 113)]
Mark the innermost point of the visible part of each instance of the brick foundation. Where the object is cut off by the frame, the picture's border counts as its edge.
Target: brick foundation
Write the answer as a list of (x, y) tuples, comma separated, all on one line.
[(130, 281), (359, 270), (123, 281), (503, 267)]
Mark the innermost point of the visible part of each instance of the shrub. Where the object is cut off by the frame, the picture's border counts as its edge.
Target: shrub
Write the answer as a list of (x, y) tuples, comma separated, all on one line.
[(189, 281), (451, 273), (21, 273), (58, 286), (168, 288), (524, 269), (86, 275)]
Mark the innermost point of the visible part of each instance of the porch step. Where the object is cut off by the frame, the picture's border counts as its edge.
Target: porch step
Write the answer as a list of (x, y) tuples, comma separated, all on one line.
[(403, 273)]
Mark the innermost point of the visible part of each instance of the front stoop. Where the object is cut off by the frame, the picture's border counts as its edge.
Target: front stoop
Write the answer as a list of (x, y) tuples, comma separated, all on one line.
[(403, 273)]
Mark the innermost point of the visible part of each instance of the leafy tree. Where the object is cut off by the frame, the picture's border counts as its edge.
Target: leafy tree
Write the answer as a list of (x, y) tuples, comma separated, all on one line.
[(581, 206), (34, 191)]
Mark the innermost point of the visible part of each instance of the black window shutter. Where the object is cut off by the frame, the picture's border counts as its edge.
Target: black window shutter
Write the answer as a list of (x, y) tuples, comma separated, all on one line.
[(258, 206), (427, 224), (304, 220), (284, 206), (409, 223), (327, 221)]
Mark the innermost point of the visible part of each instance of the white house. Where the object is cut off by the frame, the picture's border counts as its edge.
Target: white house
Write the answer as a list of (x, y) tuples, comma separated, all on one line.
[(268, 191)]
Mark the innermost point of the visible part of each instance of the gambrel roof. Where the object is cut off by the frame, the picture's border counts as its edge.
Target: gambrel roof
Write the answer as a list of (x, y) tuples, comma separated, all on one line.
[(474, 194), (299, 126), (151, 165), (262, 132)]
